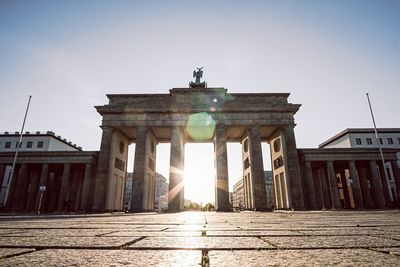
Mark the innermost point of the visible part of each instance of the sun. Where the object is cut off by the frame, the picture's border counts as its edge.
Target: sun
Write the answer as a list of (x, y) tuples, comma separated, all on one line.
[(199, 174)]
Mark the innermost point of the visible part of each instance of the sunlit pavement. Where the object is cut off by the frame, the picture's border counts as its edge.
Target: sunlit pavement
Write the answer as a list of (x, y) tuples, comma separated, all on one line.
[(355, 238)]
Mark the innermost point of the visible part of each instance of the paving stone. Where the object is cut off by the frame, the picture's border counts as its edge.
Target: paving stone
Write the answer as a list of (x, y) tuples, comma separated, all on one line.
[(318, 257), (201, 242), (6, 252), (65, 241), (346, 231), (60, 232), (154, 233), (330, 242), (73, 257), (253, 233), (4, 232)]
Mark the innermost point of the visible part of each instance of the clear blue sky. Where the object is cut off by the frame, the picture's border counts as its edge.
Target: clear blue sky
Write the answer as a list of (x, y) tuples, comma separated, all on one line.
[(327, 54)]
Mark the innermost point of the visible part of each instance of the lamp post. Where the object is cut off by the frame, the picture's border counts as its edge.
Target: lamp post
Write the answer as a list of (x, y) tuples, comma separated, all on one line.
[(377, 139), (8, 184)]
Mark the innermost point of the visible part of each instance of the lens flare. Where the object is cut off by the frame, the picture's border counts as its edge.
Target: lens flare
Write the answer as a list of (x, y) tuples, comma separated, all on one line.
[(200, 126)]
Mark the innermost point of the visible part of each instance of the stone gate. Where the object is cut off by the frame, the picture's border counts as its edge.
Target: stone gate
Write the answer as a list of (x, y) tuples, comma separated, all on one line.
[(197, 114)]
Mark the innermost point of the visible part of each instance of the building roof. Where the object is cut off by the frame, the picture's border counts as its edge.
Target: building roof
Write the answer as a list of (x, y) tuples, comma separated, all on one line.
[(357, 131), (37, 133)]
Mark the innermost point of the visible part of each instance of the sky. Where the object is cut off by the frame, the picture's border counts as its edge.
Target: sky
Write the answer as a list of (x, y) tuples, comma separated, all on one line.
[(69, 54)]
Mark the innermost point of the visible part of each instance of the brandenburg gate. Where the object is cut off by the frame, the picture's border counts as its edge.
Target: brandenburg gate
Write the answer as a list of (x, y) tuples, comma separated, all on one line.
[(197, 114)]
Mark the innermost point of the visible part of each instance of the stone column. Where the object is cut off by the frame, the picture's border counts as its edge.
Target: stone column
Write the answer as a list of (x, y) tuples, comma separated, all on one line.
[(257, 169), (368, 202), (319, 195), (19, 196), (176, 167), (64, 186), (33, 190), (309, 183), (384, 181), (376, 185), (139, 170), (333, 185), (86, 187), (294, 184), (356, 185), (2, 170), (325, 188), (396, 174), (103, 170), (44, 173), (221, 166)]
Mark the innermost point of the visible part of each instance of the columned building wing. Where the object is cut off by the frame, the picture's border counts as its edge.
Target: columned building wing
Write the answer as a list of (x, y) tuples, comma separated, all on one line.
[(347, 178), (66, 175), (197, 115)]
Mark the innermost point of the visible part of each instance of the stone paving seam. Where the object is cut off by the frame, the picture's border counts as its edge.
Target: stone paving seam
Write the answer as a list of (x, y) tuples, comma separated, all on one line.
[(18, 254), (269, 243), (205, 260), (384, 252), (127, 244), (112, 232)]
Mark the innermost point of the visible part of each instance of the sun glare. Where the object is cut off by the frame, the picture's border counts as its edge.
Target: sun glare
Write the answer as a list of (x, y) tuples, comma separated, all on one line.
[(199, 173)]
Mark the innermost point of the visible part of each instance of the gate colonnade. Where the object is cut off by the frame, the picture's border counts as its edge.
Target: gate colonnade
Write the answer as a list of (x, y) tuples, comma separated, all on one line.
[(348, 178), (197, 115)]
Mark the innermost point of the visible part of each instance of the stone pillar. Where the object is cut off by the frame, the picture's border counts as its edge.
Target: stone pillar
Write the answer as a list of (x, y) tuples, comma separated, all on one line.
[(333, 186), (356, 185), (376, 185), (325, 188), (363, 177), (44, 173), (221, 166), (176, 167), (64, 186), (293, 175), (86, 187), (20, 188), (396, 174), (33, 190), (139, 170), (103, 170), (257, 169), (384, 181), (309, 183), (2, 172), (319, 195)]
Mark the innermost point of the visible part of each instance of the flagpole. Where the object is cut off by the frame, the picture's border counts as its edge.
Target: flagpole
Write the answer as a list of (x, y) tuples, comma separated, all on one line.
[(377, 139), (16, 153)]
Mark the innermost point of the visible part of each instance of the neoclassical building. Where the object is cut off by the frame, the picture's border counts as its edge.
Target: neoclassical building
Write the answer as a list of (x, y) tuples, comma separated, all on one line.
[(322, 178)]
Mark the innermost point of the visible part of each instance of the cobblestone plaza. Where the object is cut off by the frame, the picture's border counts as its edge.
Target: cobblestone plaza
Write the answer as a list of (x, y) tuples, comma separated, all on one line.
[(309, 238)]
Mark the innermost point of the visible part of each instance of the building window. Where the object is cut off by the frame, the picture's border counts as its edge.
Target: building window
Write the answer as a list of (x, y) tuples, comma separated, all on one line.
[(40, 144), (7, 145), (369, 141), (16, 144), (390, 141), (398, 140), (29, 144), (358, 141), (380, 141)]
